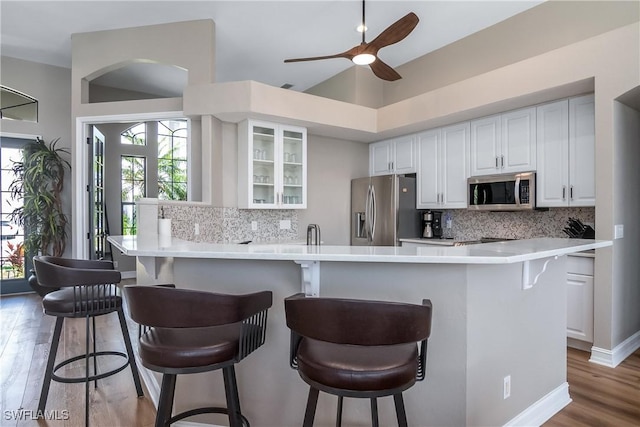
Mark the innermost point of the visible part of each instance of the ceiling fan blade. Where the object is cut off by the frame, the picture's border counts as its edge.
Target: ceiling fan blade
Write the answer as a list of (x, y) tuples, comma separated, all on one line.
[(384, 71), (316, 58), (395, 32)]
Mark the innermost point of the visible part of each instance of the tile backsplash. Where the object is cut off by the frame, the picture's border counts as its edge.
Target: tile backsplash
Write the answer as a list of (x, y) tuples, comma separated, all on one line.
[(229, 225), (225, 225), (471, 225)]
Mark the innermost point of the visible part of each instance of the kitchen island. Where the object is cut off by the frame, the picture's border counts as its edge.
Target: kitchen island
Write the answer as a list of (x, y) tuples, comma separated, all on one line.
[(499, 311)]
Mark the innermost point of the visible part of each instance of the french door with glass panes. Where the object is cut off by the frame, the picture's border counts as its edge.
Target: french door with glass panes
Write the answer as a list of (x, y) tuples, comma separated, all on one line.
[(15, 265)]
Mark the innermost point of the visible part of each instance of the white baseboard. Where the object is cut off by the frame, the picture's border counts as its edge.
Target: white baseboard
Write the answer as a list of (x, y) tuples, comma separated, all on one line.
[(545, 408), (613, 358), (580, 345)]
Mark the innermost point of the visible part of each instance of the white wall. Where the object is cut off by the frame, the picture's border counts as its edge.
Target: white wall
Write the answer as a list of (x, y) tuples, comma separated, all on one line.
[(332, 165), (626, 251), (51, 86)]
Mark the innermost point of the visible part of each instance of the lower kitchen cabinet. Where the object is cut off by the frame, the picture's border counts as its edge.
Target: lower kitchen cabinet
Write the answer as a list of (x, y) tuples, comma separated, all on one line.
[(580, 298)]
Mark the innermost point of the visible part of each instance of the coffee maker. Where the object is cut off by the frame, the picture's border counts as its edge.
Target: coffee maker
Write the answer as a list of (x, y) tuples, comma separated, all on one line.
[(432, 224)]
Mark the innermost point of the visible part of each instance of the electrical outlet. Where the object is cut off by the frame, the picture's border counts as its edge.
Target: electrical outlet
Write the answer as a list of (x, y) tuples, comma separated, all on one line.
[(285, 224), (196, 229), (506, 387), (254, 225), (618, 231)]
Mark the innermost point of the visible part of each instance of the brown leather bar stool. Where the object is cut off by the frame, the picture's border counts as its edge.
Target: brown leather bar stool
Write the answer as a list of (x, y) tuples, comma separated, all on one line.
[(194, 331), (358, 348), (87, 288)]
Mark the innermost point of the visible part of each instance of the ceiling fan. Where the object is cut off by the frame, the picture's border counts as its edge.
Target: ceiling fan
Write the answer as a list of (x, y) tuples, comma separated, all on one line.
[(367, 53)]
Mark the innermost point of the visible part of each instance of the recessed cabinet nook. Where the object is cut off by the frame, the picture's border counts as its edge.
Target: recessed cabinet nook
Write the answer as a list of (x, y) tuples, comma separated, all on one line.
[(272, 166)]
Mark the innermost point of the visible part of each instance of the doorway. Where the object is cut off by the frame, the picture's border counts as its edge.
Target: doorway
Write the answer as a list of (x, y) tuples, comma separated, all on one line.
[(104, 175), (14, 264)]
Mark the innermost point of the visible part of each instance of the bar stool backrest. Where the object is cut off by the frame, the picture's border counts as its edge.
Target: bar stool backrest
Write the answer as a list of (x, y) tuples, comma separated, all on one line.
[(164, 307), (93, 283), (358, 322)]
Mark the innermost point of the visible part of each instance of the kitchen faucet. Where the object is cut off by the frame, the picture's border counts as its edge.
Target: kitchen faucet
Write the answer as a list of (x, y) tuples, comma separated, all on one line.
[(313, 234)]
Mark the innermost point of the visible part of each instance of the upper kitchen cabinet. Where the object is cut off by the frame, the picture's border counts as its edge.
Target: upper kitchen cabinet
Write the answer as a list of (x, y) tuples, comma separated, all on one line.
[(272, 166), (397, 156), (504, 143), (566, 153), (443, 167)]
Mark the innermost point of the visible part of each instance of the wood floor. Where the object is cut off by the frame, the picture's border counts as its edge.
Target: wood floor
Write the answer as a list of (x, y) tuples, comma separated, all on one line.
[(601, 396), (25, 336)]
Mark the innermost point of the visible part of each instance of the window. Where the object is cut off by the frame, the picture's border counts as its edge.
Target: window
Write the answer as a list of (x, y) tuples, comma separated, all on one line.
[(14, 265), (135, 135), (143, 146), (172, 160), (11, 236), (133, 170)]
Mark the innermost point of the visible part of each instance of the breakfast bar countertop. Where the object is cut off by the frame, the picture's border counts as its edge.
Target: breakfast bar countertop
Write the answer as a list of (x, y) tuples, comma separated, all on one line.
[(506, 252)]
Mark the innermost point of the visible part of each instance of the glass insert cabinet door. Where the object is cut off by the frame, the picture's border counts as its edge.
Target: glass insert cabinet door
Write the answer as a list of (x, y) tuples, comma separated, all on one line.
[(263, 160), (293, 153), (274, 177)]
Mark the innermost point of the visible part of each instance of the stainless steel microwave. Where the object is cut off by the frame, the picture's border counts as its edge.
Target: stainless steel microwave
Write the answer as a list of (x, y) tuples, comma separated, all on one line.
[(505, 192)]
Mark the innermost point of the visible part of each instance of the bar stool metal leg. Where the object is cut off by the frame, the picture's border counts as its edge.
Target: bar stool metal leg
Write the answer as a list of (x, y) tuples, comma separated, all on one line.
[(374, 412), (132, 358), (165, 403), (50, 363), (310, 412), (86, 368), (233, 401), (339, 415), (95, 356), (400, 412)]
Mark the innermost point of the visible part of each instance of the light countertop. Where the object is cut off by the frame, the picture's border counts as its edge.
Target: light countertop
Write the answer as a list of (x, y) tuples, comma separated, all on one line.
[(489, 253)]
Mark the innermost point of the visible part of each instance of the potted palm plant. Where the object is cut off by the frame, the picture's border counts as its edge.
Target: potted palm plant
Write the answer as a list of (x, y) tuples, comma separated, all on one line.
[(38, 181)]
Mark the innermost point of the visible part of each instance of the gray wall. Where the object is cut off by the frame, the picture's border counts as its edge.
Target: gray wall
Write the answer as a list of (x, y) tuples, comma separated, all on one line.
[(332, 165), (51, 86), (626, 251)]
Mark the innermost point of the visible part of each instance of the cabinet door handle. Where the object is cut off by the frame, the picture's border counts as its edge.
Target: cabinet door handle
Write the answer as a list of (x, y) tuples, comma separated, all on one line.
[(564, 192), (502, 161), (496, 162), (571, 192)]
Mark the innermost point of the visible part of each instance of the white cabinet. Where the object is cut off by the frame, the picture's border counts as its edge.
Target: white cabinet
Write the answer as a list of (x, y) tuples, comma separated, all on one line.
[(566, 153), (504, 143), (272, 166), (397, 155), (580, 298), (443, 167)]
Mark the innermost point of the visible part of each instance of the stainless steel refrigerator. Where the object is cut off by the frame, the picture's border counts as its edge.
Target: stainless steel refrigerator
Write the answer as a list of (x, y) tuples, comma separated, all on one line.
[(383, 210)]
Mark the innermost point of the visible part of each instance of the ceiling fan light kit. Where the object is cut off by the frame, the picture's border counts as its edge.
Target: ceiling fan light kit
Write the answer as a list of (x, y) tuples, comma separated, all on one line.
[(363, 59), (367, 53)]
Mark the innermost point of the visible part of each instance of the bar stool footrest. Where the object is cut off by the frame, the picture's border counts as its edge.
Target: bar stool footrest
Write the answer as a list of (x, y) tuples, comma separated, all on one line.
[(93, 377), (205, 410)]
